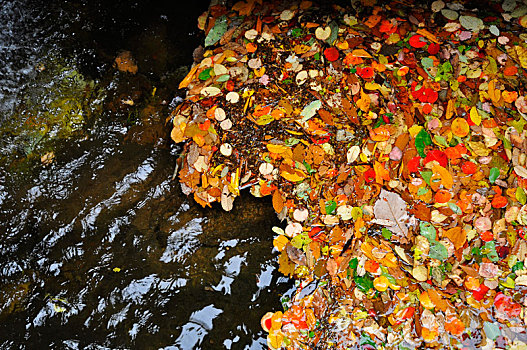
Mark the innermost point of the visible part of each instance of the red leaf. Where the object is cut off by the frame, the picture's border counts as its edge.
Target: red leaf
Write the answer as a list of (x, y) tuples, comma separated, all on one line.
[(413, 165), (469, 168), (332, 54), (369, 175), (366, 72), (479, 293), (437, 155), (433, 48), (417, 41)]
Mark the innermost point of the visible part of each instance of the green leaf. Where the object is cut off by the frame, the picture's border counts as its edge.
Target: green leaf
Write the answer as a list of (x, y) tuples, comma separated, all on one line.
[(215, 34), (223, 78), (520, 195), (441, 140), (387, 234), (421, 191), (454, 207), (330, 207), (438, 251), (353, 264), (291, 141), (422, 139), (309, 111), (205, 74), (364, 283), (494, 174), (518, 266), (334, 32), (427, 175), (427, 230), (490, 250)]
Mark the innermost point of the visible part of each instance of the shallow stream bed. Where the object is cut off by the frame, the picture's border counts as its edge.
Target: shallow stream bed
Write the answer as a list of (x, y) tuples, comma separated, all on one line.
[(100, 249)]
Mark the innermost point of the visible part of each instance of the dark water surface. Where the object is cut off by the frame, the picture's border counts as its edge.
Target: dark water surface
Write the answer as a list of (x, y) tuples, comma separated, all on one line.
[(99, 249)]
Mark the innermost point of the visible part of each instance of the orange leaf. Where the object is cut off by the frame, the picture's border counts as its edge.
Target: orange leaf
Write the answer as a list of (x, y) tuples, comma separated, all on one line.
[(251, 47), (455, 326), (380, 134), (371, 266), (499, 202), (429, 335), (472, 283), (380, 173), (425, 300), (509, 96), (450, 108), (373, 20), (442, 196), (457, 236), (364, 102), (184, 83), (278, 201), (510, 70), (446, 178)]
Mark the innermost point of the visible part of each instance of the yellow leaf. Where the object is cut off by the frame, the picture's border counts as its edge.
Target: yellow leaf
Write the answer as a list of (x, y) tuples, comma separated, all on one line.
[(425, 300), (184, 83), (522, 55), (301, 48), (361, 53), (460, 127), (275, 340), (285, 266), (297, 175), (451, 107), (276, 320), (446, 178), (495, 94), (474, 116), (414, 130), (364, 102), (264, 119), (381, 283), (371, 86), (280, 242), (428, 335), (278, 149)]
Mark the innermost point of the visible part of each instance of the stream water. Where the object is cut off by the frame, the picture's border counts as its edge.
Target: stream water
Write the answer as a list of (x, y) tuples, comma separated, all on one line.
[(99, 249)]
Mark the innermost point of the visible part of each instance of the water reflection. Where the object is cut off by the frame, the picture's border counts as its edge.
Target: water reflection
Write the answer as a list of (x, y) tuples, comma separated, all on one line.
[(114, 256), (99, 249)]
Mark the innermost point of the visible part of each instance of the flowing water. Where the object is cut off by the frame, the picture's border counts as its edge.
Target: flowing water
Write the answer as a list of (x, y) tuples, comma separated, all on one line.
[(99, 249)]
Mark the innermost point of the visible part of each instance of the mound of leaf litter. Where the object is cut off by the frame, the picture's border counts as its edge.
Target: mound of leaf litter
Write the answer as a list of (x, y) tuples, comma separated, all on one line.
[(391, 139)]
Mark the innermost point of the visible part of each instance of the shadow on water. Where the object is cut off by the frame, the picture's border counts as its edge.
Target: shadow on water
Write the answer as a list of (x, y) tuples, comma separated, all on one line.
[(99, 249)]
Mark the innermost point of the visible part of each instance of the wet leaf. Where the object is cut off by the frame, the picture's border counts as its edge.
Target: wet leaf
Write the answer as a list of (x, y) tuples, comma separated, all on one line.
[(494, 174), (215, 34), (390, 211)]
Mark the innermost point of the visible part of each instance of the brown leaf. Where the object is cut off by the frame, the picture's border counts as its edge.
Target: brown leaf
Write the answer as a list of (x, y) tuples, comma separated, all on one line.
[(331, 266), (326, 116), (421, 211)]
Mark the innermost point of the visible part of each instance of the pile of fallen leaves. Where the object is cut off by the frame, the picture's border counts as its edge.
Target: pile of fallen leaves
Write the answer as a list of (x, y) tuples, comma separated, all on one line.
[(391, 138)]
